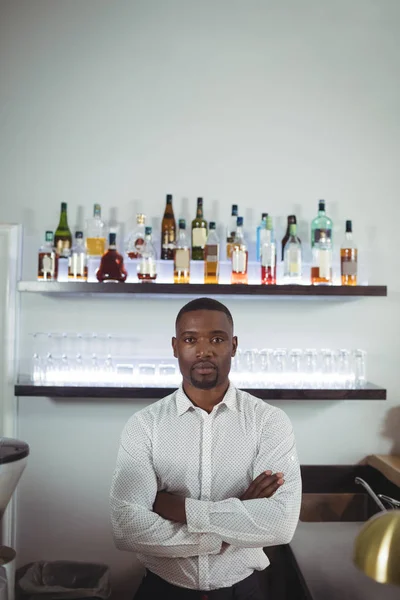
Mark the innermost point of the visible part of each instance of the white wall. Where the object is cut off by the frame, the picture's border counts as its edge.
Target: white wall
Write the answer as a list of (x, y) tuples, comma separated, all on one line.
[(268, 104)]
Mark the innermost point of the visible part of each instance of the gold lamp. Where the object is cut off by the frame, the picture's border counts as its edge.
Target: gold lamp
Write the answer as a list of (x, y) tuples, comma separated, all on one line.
[(377, 547)]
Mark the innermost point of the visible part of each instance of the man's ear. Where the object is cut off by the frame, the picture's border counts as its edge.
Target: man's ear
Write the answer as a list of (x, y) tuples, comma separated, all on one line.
[(234, 345), (174, 346)]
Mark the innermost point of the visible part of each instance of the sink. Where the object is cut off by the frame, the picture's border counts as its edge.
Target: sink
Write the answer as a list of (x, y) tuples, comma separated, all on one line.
[(341, 507)]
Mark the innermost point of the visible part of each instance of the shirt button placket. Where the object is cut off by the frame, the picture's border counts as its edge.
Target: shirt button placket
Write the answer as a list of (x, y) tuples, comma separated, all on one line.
[(204, 575)]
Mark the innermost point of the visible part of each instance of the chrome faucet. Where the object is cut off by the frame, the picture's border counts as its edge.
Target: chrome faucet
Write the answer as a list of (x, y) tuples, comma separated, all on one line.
[(371, 493), (391, 501)]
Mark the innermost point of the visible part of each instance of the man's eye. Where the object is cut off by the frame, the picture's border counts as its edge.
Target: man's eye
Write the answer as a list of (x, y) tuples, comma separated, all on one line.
[(217, 340), (188, 340)]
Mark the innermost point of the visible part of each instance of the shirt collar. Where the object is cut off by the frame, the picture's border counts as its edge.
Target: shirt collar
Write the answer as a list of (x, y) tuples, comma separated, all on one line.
[(230, 400)]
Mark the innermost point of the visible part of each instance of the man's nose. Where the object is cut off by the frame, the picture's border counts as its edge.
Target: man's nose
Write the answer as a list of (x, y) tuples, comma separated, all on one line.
[(204, 349)]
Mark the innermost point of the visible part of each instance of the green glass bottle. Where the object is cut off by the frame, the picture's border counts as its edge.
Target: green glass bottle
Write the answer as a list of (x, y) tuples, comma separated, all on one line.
[(62, 236), (199, 232), (321, 223)]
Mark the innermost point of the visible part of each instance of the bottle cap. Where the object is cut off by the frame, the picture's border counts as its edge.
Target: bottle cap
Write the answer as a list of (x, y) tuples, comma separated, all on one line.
[(212, 225), (264, 216), (169, 198), (321, 205), (49, 236), (199, 201), (349, 227), (148, 230), (140, 219), (293, 228), (112, 238), (239, 222), (79, 235), (182, 224), (63, 206), (97, 210), (291, 219), (269, 223), (234, 210)]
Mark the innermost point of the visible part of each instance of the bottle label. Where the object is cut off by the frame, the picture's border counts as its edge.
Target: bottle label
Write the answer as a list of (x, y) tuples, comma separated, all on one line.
[(268, 255), (168, 239), (182, 259), (317, 234), (199, 237), (325, 263), (239, 260), (47, 264), (95, 246), (77, 265), (349, 267), (294, 261), (148, 266), (63, 248), (212, 253)]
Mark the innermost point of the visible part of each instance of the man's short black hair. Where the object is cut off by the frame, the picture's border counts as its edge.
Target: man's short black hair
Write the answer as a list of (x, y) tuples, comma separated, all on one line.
[(204, 304)]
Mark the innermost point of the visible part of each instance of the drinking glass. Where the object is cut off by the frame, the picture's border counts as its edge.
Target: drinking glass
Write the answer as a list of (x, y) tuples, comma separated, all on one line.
[(360, 367), (310, 368), (343, 369), (249, 367), (265, 364), (327, 363), (294, 368), (280, 367)]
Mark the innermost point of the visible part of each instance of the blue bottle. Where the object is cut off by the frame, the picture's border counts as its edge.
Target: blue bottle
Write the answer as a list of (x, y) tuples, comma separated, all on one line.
[(260, 235)]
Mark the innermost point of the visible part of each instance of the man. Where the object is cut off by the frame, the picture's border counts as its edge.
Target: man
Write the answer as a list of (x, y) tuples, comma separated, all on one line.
[(207, 476)]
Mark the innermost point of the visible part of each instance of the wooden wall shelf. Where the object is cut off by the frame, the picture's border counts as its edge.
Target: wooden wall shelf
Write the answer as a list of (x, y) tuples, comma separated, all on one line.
[(369, 392), (196, 289)]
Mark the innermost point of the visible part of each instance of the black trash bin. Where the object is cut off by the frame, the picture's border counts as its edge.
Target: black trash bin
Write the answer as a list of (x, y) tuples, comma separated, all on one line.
[(62, 580)]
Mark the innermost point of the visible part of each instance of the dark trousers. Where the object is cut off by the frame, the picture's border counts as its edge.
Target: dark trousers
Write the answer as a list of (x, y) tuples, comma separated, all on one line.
[(155, 588)]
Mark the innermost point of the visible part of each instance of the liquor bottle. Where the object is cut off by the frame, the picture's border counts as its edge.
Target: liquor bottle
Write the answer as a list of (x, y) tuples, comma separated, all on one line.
[(321, 223), (211, 256), (240, 255), (268, 255), (95, 234), (293, 257), (291, 220), (348, 257), (62, 236), (182, 255), (77, 263), (112, 264), (168, 231), (199, 232), (261, 235), (136, 238), (147, 267), (47, 259), (231, 230), (321, 269)]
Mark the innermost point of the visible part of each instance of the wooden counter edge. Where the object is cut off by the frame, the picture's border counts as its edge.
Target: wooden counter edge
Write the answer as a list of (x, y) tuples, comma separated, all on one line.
[(388, 465)]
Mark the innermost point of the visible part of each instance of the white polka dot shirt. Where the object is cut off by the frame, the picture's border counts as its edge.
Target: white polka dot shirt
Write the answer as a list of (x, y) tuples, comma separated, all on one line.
[(210, 459)]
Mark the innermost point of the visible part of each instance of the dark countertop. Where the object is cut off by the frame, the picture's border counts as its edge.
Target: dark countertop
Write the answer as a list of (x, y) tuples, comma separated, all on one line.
[(323, 552)]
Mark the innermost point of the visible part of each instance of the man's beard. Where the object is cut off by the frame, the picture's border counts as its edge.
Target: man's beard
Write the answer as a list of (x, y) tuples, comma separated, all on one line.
[(204, 384)]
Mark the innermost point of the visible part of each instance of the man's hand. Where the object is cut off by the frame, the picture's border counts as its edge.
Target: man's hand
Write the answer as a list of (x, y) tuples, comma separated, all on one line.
[(171, 507), (263, 486)]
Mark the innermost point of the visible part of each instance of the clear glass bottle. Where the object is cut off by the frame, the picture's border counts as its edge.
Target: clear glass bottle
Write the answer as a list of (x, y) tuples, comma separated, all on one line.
[(182, 255), (77, 262), (112, 267), (349, 257), (231, 230), (268, 255), (47, 259), (240, 255), (63, 236), (291, 220), (199, 232), (136, 238), (321, 269), (168, 231), (321, 223), (261, 235), (293, 257), (147, 267), (211, 256), (95, 233)]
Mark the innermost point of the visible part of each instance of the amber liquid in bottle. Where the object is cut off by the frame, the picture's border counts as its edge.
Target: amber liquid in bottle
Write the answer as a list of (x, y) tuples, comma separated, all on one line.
[(211, 264), (168, 231), (348, 266), (268, 275), (112, 264), (240, 276)]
